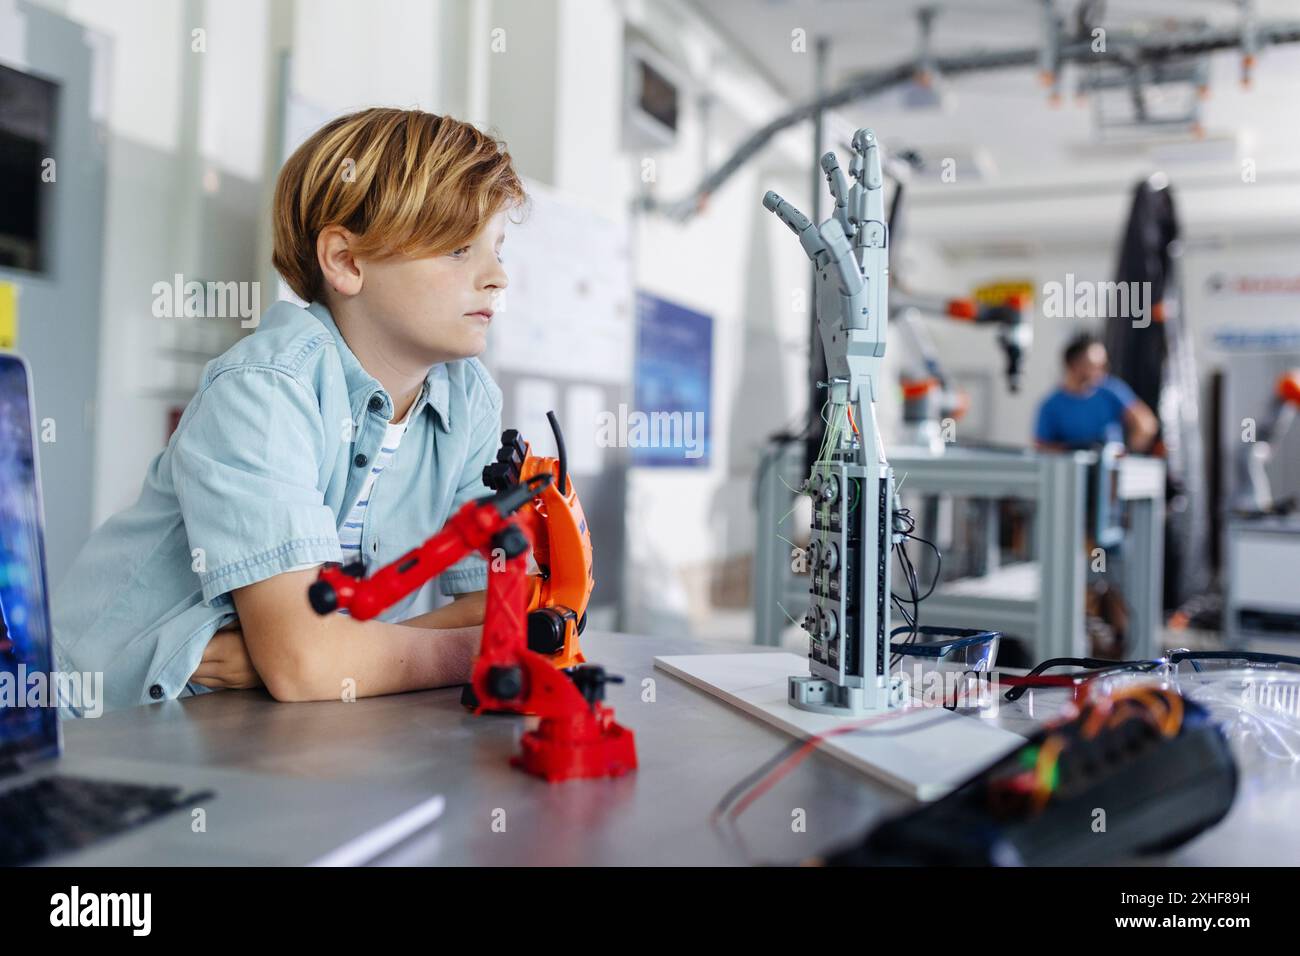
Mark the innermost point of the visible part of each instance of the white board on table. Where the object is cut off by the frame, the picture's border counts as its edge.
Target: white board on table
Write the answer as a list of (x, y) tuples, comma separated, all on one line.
[(926, 764)]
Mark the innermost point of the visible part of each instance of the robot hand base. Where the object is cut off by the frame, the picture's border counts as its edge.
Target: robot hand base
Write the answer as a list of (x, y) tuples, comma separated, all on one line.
[(827, 697)]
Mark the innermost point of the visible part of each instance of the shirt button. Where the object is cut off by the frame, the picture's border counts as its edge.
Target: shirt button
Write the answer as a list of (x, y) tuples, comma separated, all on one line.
[(360, 461), (156, 692), (376, 403)]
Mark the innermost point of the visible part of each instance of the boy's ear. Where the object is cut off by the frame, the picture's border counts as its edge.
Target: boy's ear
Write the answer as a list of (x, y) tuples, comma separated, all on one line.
[(341, 271)]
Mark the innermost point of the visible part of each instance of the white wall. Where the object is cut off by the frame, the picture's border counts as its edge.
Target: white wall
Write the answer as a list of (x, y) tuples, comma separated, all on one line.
[(184, 131), (347, 55)]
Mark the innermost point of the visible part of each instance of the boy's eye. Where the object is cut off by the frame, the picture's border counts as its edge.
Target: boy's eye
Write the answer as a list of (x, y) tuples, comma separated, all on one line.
[(462, 249)]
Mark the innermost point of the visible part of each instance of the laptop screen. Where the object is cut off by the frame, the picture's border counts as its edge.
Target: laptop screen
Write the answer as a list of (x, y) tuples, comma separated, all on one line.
[(28, 715)]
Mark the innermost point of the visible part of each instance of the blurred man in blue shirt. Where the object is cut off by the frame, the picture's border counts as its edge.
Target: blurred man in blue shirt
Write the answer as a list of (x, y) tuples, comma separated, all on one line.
[(1091, 408)]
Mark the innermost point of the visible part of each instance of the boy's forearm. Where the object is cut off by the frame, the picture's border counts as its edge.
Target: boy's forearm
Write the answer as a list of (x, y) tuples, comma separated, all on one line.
[(465, 611), (435, 649), (301, 655), (370, 658)]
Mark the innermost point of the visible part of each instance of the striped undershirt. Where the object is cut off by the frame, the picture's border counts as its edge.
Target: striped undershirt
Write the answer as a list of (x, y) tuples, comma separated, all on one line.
[(350, 532)]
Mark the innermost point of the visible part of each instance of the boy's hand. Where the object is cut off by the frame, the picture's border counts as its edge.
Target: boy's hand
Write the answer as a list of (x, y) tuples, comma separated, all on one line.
[(465, 610), (300, 655), (226, 663)]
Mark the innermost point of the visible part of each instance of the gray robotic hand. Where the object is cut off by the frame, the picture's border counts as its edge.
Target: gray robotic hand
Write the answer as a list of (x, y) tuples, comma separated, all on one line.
[(851, 252), (851, 483)]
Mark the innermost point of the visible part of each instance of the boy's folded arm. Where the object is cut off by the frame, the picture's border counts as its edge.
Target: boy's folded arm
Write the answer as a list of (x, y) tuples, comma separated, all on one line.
[(465, 610), (301, 655)]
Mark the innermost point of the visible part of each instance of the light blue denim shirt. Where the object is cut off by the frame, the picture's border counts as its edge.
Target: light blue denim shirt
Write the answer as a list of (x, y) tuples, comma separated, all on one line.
[(266, 462)]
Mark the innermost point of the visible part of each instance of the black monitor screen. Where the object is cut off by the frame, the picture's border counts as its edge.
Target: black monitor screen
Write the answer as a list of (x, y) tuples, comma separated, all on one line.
[(27, 173), (28, 715), (658, 96)]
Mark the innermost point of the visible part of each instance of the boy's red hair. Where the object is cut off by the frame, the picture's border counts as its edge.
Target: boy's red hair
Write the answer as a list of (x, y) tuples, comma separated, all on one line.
[(405, 182)]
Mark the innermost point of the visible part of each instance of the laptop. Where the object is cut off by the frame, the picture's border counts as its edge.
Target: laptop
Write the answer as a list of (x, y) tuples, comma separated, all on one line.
[(79, 809)]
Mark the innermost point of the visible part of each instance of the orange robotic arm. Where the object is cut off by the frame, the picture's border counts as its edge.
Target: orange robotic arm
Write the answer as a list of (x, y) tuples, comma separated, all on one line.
[(557, 606)]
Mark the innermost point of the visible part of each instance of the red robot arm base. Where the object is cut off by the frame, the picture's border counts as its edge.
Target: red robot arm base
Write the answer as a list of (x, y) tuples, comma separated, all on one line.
[(577, 735)]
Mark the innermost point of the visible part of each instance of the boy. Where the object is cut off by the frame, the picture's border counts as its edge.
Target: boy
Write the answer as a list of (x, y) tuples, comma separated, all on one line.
[(1090, 407), (348, 429)]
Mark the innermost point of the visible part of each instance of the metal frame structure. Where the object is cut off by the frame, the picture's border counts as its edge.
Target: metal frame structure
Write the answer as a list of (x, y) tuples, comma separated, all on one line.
[(1260, 555), (1052, 619)]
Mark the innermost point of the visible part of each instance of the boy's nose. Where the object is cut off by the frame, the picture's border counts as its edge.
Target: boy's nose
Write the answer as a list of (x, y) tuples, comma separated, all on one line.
[(495, 278)]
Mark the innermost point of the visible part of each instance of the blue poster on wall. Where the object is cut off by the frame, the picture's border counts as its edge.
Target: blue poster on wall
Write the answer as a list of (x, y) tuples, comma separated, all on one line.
[(668, 426)]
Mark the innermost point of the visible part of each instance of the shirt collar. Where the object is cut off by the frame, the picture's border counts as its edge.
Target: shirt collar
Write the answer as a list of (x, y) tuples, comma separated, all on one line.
[(362, 386)]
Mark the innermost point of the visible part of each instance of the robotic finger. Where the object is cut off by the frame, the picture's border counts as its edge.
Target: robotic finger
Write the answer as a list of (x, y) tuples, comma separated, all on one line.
[(848, 274), (871, 199), (800, 225), (824, 245), (840, 191)]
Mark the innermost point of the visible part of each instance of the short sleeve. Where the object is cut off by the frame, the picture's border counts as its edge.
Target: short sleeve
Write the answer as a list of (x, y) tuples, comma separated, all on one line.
[(1045, 429), (470, 573), (245, 463), (1121, 392)]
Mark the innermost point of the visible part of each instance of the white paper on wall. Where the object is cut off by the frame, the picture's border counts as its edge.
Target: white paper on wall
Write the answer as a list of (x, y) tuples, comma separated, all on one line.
[(534, 397), (567, 312), (583, 405)]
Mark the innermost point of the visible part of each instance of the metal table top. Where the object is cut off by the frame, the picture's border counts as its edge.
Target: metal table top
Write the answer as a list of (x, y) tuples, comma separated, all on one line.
[(692, 748)]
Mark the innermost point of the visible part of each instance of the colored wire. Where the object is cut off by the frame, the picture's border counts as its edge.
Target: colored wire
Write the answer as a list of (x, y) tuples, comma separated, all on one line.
[(904, 526), (1160, 707), (1045, 769), (788, 615), (741, 796)]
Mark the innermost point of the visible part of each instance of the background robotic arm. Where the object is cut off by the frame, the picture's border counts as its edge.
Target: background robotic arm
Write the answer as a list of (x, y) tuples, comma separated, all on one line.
[(1254, 490)]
